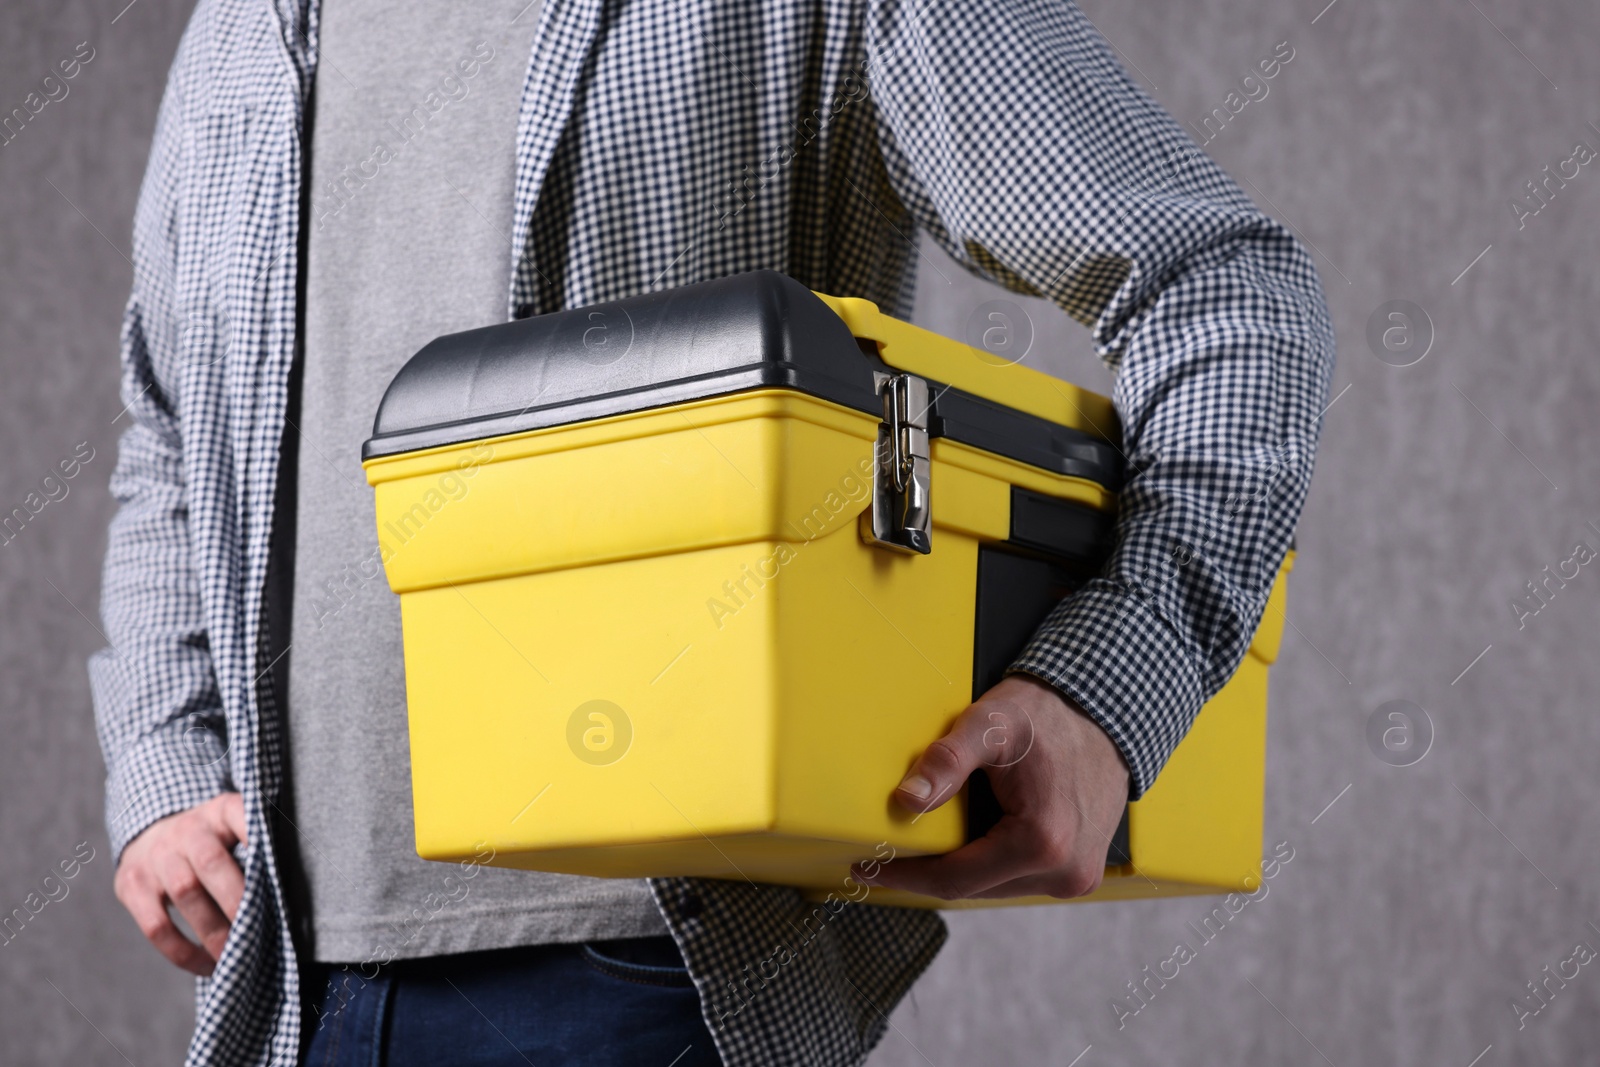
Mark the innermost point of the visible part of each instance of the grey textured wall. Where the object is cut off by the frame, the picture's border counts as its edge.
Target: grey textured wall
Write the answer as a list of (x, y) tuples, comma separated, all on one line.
[(1417, 905)]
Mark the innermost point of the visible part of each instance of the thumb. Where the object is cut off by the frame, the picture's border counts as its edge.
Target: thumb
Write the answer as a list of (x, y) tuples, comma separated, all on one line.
[(980, 737)]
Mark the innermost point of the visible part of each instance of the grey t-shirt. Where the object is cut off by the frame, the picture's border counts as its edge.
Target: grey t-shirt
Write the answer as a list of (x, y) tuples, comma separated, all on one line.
[(412, 170)]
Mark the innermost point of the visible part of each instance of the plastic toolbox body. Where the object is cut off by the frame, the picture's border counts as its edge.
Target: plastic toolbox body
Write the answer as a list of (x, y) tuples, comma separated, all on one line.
[(688, 580)]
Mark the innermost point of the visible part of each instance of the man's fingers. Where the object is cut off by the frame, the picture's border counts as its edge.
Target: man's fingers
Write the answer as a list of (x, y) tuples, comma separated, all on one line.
[(218, 872), (1013, 849), (182, 886), (1059, 780), (184, 861), (989, 733), (1072, 881), (142, 896), (229, 815)]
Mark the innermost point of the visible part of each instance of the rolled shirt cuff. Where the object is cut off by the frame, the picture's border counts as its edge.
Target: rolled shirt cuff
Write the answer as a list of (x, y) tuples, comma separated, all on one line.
[(1104, 649)]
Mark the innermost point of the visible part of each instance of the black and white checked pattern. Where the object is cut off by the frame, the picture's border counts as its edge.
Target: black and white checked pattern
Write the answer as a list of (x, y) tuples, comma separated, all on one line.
[(663, 142)]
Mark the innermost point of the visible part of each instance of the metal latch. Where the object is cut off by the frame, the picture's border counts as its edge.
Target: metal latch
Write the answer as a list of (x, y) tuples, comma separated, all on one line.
[(901, 518)]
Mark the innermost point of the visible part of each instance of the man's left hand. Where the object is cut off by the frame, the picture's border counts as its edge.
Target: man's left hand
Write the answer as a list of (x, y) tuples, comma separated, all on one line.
[(1061, 784)]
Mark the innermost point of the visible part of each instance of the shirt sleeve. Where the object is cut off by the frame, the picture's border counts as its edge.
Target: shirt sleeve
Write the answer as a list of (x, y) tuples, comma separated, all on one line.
[(1012, 135), (157, 708)]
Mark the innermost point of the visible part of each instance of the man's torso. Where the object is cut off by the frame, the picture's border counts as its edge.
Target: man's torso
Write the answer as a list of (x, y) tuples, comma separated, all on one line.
[(413, 153)]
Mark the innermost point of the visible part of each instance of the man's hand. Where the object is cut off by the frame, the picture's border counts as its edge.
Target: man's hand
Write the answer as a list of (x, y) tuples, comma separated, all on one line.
[(184, 860), (1060, 781)]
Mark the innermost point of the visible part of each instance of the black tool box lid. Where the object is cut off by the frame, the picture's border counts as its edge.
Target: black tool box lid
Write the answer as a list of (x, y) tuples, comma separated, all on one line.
[(748, 331)]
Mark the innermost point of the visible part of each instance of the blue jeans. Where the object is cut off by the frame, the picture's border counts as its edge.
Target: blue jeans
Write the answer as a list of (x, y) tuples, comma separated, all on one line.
[(600, 1004)]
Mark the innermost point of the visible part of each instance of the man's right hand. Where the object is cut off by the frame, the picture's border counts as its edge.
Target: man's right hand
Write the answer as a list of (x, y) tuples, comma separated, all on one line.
[(186, 860)]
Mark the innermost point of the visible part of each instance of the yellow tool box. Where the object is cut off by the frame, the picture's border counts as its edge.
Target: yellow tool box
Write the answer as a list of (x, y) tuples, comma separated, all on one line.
[(688, 580)]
